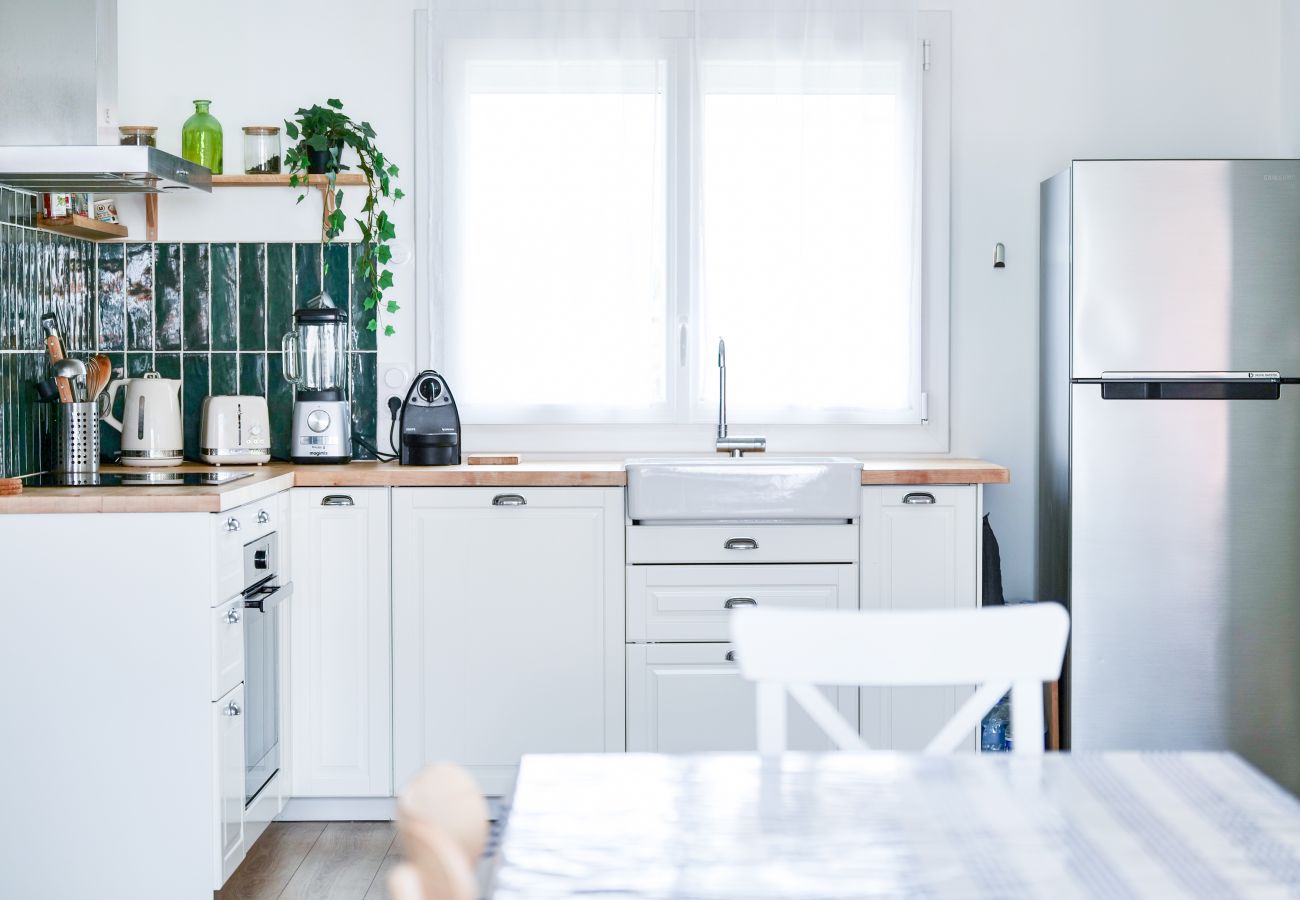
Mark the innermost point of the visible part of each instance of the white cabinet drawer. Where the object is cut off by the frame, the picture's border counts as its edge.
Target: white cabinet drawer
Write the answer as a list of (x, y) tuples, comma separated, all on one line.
[(742, 544), (691, 698), (228, 784), (227, 646), (694, 603), (234, 528)]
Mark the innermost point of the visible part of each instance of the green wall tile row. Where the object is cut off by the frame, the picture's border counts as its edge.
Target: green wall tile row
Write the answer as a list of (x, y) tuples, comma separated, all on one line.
[(40, 272), (211, 315)]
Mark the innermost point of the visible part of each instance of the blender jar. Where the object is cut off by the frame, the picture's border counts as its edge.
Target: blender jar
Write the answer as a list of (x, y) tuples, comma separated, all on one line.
[(315, 352)]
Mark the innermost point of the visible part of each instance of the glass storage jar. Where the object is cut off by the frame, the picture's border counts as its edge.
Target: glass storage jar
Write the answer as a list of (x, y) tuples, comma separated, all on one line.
[(261, 150), (137, 135)]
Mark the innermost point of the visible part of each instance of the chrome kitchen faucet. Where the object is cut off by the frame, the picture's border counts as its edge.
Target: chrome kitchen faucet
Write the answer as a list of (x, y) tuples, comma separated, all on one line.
[(736, 445)]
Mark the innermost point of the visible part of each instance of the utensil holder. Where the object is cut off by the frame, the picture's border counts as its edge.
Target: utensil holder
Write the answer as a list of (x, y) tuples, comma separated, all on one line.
[(76, 438)]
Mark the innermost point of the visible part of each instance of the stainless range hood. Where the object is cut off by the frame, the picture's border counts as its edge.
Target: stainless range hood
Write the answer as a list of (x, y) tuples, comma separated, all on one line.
[(100, 169)]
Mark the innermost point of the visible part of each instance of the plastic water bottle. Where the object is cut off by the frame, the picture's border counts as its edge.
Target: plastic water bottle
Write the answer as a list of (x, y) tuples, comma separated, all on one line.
[(995, 730)]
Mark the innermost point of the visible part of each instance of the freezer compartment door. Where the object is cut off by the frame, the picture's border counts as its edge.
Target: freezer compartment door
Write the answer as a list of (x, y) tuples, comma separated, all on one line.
[(1185, 576), (1185, 265)]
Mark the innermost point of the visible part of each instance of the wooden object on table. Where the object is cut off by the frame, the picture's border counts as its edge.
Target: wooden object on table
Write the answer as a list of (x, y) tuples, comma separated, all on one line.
[(494, 459), (10, 486), (83, 227)]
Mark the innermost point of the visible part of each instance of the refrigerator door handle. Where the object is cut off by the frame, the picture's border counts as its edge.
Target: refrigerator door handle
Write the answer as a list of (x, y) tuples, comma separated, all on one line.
[(1191, 389), (1183, 376)]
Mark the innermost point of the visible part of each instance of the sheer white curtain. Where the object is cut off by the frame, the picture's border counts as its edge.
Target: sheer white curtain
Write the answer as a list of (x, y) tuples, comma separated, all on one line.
[(809, 208), (617, 184)]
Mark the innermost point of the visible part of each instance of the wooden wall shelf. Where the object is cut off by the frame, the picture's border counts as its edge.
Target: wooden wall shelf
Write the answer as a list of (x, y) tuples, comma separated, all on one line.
[(345, 179), (83, 227), (321, 182)]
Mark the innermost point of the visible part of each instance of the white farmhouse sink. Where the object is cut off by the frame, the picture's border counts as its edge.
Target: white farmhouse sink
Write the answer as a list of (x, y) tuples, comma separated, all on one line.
[(754, 489)]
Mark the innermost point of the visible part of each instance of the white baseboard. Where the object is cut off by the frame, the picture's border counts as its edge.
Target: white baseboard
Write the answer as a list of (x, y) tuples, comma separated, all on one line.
[(338, 809)]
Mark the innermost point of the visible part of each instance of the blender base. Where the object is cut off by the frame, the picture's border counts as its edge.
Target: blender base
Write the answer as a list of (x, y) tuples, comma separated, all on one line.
[(322, 432)]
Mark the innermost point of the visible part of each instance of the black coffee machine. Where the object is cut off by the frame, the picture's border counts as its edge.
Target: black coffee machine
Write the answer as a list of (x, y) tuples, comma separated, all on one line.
[(430, 424)]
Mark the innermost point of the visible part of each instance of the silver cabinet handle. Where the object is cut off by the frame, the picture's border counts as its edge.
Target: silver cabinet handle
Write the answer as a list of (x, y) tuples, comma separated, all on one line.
[(337, 500), (741, 544), (232, 617), (263, 517), (740, 601), (509, 500), (231, 709), (918, 497), (232, 524), (731, 656)]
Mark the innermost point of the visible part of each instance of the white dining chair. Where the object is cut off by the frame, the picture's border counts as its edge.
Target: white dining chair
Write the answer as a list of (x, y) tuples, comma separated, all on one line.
[(1017, 648)]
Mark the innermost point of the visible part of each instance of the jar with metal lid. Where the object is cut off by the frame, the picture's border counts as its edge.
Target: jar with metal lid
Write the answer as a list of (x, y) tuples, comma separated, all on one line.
[(138, 135), (261, 149)]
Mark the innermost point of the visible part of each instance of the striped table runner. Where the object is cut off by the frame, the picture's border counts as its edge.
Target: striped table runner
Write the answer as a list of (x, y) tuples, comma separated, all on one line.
[(1123, 825)]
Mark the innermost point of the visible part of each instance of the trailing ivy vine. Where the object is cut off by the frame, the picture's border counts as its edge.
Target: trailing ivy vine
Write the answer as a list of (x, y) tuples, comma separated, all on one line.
[(328, 129)]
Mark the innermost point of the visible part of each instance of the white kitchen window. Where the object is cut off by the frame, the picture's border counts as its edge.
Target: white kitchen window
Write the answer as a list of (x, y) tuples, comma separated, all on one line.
[(614, 186)]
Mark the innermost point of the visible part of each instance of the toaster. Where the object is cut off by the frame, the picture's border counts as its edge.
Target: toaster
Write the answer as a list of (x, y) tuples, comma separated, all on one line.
[(236, 430)]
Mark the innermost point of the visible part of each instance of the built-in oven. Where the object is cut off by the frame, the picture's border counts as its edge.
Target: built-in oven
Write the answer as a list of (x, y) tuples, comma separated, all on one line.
[(263, 594)]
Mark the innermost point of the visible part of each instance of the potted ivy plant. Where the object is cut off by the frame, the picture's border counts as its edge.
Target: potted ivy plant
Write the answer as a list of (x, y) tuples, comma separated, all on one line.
[(321, 134)]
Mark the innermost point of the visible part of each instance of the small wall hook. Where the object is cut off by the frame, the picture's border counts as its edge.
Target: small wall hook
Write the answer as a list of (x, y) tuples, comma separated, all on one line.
[(999, 256)]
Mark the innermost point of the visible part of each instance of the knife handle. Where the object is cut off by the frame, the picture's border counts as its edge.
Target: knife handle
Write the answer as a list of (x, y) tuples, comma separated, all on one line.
[(54, 347)]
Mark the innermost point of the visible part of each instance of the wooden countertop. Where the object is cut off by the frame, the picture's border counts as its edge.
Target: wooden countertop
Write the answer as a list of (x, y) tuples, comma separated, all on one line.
[(276, 477)]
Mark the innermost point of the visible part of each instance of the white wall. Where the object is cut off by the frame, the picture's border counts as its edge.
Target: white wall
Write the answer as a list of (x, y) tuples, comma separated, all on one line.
[(258, 62), (1035, 84), (1289, 45)]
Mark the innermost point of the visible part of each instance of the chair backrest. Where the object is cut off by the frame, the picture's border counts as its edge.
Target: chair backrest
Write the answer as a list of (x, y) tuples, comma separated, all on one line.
[(1016, 648), (442, 819)]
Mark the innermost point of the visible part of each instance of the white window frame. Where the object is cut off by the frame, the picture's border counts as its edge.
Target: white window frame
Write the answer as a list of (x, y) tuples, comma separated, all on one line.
[(929, 435)]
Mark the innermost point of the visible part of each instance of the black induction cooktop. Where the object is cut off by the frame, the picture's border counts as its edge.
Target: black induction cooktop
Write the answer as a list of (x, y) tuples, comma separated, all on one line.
[(132, 479)]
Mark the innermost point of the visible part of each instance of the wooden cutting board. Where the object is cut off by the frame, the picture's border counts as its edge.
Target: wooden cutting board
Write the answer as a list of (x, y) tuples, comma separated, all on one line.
[(494, 459), (10, 486)]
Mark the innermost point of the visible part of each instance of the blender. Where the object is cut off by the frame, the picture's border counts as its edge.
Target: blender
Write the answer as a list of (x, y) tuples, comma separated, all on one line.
[(316, 364)]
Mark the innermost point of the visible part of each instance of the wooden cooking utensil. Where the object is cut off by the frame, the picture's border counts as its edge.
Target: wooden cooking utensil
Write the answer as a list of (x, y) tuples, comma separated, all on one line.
[(54, 347), (10, 486), (99, 371)]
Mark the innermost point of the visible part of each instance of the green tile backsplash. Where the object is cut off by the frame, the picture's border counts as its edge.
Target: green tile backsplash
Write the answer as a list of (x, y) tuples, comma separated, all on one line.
[(209, 314)]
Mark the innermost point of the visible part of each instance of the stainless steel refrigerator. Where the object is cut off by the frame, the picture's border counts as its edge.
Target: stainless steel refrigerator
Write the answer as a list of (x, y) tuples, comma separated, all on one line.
[(1169, 513)]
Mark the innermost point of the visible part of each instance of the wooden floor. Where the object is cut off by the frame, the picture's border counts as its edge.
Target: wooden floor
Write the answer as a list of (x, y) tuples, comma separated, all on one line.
[(316, 860)]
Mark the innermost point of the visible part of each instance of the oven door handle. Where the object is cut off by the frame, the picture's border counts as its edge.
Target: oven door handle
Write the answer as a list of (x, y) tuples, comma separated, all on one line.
[(268, 597)]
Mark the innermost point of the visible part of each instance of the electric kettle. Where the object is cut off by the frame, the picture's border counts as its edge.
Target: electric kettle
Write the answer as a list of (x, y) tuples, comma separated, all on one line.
[(151, 420)]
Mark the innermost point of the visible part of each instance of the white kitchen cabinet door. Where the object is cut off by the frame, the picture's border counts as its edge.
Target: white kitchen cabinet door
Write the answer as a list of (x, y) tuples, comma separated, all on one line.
[(228, 741), (920, 550), (690, 698), (339, 656), (507, 626)]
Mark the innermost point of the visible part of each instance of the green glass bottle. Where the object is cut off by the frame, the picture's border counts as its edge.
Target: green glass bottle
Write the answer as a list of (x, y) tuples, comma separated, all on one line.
[(201, 138)]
